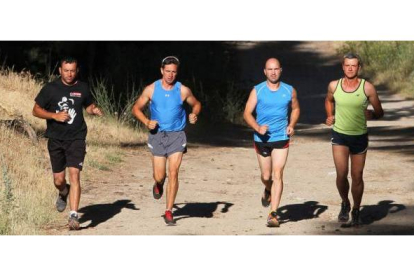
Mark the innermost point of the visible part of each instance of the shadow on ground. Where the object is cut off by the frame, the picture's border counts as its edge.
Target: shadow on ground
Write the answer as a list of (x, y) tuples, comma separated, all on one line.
[(298, 212), (399, 220), (199, 210), (100, 213)]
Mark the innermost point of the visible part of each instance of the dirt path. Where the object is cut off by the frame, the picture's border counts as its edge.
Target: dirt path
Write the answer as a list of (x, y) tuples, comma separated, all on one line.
[(220, 187)]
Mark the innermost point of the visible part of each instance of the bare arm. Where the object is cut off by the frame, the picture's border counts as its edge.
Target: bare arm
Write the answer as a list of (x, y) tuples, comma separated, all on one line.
[(140, 104), (94, 110), (193, 102), (248, 114), (294, 115), (41, 113), (329, 103), (372, 95)]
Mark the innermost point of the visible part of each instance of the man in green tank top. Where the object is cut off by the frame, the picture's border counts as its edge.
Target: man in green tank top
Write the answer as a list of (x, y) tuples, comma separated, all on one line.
[(346, 109)]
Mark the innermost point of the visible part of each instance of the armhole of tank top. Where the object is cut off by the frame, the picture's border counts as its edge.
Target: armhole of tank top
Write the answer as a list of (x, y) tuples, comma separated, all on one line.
[(339, 83), (179, 87), (363, 88), (153, 91)]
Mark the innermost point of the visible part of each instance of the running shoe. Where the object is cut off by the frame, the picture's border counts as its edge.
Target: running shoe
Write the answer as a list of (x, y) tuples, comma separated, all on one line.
[(355, 218), (272, 220), (344, 213), (158, 190), (73, 222), (266, 198), (61, 201), (168, 218)]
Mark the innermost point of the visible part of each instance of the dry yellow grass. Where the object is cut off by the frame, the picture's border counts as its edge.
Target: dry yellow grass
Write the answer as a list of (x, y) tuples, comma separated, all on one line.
[(26, 167)]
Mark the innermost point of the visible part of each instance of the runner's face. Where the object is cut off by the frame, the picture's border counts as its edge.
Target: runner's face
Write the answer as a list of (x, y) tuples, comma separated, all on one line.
[(169, 73), (273, 71), (351, 68), (68, 72)]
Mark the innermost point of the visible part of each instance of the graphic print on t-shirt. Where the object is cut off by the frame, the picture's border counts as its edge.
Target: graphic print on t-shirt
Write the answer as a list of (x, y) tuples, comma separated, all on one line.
[(68, 106)]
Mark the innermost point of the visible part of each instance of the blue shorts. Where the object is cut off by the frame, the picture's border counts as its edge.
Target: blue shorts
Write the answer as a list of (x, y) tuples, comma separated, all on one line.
[(357, 144)]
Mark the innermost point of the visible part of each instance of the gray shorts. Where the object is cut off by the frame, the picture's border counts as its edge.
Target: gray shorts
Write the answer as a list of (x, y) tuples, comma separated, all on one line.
[(165, 143)]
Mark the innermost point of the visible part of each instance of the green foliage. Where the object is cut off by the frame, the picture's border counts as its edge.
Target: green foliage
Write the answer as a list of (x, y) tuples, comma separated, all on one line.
[(115, 104), (224, 103), (390, 63)]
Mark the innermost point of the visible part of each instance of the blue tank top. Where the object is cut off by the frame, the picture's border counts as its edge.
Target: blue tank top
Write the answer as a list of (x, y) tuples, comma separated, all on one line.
[(272, 110), (167, 107)]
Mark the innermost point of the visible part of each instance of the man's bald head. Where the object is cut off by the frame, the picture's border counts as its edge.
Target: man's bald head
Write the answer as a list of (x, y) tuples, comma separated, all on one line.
[(272, 62), (272, 70)]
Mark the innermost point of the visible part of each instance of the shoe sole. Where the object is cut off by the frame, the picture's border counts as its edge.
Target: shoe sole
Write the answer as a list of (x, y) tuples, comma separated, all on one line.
[(66, 203), (74, 226), (170, 223), (266, 201), (273, 224), (154, 194), (61, 210), (343, 220)]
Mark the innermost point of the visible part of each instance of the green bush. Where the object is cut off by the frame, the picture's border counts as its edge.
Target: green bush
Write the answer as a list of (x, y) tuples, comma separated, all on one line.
[(389, 63)]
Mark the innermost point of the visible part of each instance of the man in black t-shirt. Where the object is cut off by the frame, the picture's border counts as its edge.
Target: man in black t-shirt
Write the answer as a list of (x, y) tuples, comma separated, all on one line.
[(61, 103)]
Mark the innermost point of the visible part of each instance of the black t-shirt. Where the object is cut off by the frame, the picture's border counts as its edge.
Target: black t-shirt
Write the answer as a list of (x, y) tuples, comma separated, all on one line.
[(55, 97)]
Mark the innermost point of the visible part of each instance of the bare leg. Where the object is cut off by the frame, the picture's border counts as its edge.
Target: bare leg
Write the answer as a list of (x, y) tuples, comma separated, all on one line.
[(357, 169), (75, 189), (341, 156), (265, 164), (59, 180), (158, 167), (279, 157), (174, 163)]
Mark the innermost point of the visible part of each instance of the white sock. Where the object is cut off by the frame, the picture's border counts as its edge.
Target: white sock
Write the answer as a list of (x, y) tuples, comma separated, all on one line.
[(73, 212)]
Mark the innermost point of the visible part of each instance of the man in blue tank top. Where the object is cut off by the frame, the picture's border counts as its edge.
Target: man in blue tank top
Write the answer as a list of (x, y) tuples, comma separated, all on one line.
[(271, 100), (167, 140)]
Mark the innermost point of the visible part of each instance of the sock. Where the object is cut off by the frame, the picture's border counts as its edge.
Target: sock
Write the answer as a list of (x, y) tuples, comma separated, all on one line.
[(73, 213)]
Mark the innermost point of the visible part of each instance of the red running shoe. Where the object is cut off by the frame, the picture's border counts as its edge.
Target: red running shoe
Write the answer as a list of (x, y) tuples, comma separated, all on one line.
[(168, 218)]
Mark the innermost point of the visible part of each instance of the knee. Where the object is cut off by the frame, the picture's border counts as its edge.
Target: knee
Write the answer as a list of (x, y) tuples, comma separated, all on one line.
[(173, 173), (59, 180), (159, 177), (278, 175), (357, 177), (266, 177), (342, 175)]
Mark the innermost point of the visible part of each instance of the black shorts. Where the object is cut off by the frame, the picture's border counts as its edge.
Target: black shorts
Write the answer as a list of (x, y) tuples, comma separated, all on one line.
[(66, 153), (357, 144), (265, 148)]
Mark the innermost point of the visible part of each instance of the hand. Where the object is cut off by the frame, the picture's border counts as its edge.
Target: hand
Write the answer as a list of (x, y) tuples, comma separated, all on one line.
[(290, 131), (369, 114), (97, 111), (192, 118), (62, 116), (72, 114), (152, 124), (330, 120), (263, 129)]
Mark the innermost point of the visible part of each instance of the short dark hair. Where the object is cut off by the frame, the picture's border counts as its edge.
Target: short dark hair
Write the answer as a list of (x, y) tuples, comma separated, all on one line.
[(68, 59), (351, 55), (170, 60)]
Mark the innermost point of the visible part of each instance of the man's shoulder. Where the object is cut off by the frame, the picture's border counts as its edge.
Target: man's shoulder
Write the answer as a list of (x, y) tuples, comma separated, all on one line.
[(333, 84), (286, 85)]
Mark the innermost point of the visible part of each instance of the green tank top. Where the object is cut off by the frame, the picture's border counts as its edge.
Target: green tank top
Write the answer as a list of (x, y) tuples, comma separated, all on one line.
[(349, 110)]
